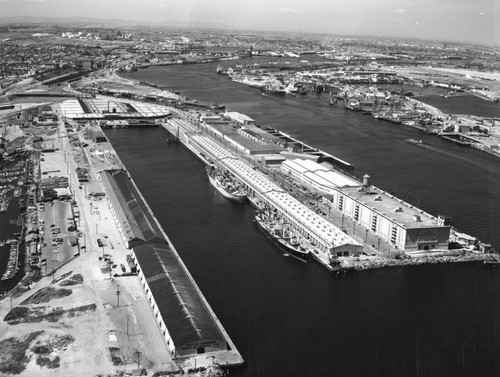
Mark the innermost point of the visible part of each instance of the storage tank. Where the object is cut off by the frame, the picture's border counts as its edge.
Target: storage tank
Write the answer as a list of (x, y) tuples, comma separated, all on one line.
[(366, 181)]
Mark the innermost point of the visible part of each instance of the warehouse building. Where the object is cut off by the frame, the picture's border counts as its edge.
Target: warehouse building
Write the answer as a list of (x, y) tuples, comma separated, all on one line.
[(131, 214), (401, 224), (182, 313)]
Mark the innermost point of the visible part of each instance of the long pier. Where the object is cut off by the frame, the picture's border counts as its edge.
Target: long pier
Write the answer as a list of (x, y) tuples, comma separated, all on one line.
[(323, 238)]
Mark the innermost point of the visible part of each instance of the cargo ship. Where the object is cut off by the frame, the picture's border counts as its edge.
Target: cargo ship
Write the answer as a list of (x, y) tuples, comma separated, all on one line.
[(225, 184), (281, 236)]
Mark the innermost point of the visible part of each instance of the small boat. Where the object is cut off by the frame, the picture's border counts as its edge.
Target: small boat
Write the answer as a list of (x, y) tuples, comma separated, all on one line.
[(491, 263), (414, 141), (217, 106)]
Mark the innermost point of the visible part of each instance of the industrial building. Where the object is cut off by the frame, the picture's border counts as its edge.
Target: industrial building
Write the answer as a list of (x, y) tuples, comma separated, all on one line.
[(105, 109), (132, 215), (400, 224), (239, 118), (183, 316), (243, 139)]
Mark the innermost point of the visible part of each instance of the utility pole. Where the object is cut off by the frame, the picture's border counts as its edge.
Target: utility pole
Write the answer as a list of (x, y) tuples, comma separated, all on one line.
[(118, 298), (138, 358)]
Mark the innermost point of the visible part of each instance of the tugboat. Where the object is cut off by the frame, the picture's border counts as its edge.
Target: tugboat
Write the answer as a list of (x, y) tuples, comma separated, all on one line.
[(217, 107)]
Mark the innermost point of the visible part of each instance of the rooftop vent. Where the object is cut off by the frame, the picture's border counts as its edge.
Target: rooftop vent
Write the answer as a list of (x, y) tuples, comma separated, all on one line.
[(378, 198), (417, 218), (398, 209)]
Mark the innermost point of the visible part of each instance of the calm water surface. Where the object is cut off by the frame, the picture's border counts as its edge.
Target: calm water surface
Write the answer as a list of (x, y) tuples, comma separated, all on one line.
[(293, 319)]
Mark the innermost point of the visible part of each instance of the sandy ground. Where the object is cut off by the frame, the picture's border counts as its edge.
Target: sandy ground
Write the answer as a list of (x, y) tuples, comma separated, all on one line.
[(471, 73), (491, 80), (110, 80)]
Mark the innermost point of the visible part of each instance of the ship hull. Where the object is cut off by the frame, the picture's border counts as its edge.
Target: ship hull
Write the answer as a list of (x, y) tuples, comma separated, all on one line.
[(228, 195), (279, 242), (274, 92)]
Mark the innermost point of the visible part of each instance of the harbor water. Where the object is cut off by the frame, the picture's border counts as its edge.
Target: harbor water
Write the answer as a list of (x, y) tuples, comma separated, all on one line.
[(288, 318)]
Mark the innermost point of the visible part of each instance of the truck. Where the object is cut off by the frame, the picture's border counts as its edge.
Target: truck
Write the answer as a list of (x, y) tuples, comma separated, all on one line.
[(131, 264)]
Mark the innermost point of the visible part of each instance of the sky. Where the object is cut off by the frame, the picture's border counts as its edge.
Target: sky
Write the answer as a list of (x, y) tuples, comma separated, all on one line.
[(476, 21)]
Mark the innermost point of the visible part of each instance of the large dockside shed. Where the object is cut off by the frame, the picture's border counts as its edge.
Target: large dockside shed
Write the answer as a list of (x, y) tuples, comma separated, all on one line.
[(397, 222), (182, 314), (132, 216)]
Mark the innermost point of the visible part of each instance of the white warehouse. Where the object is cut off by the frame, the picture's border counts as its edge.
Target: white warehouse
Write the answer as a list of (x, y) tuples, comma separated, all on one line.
[(399, 223)]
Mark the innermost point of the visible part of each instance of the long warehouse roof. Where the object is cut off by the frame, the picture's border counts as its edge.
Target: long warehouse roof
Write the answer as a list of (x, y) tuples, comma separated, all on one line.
[(182, 309), (133, 214)]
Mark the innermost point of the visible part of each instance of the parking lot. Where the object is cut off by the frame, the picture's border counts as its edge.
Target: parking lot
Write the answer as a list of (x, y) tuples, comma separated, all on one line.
[(56, 226)]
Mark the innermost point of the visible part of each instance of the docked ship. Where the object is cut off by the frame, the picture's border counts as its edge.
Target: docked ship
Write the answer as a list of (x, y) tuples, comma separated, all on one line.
[(273, 87), (225, 184), (280, 235)]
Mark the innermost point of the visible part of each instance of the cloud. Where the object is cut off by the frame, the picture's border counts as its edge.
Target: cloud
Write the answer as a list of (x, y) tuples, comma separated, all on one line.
[(287, 10), (399, 10)]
